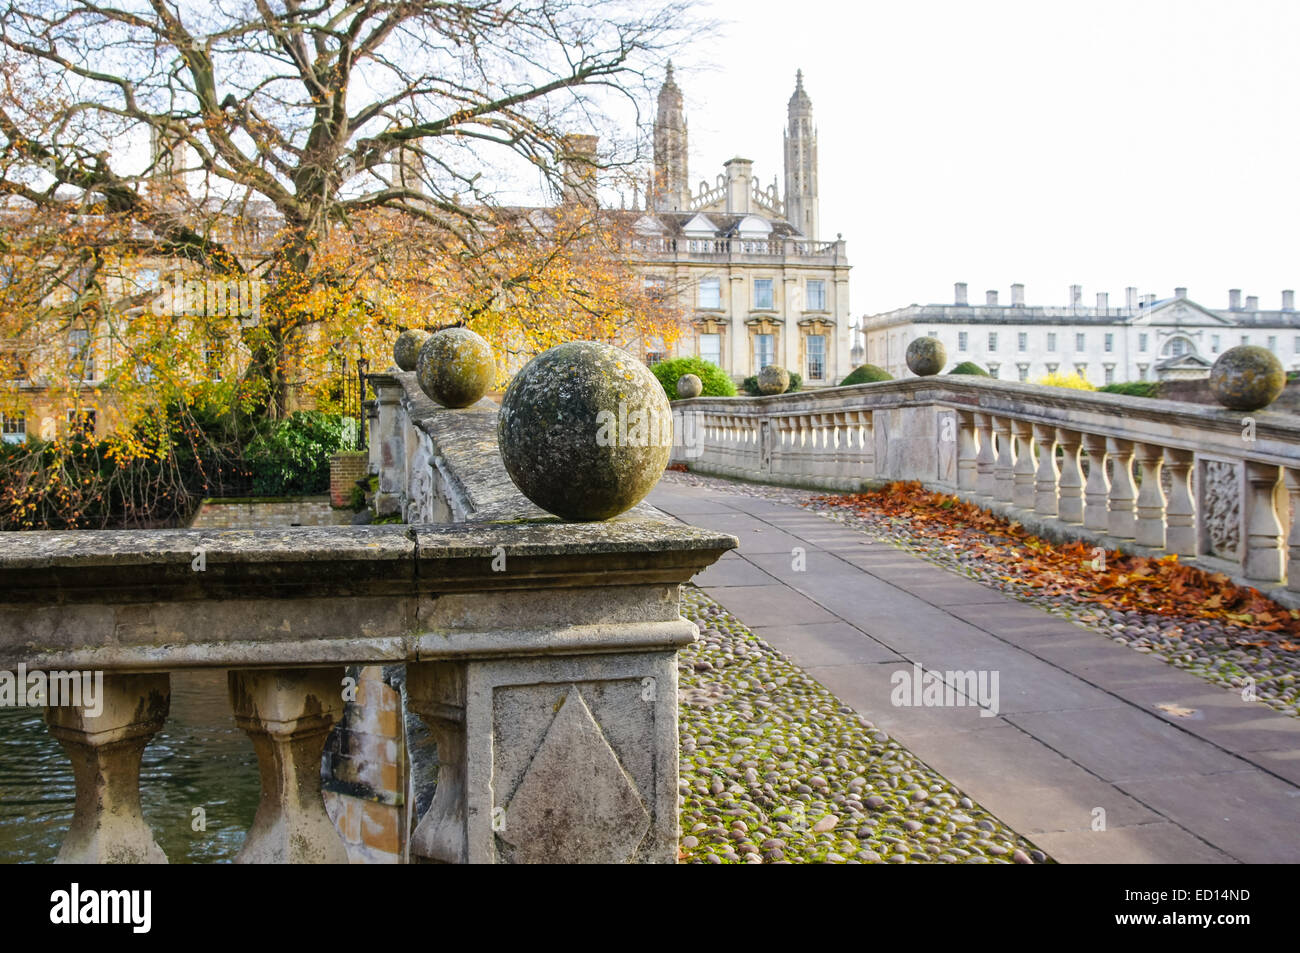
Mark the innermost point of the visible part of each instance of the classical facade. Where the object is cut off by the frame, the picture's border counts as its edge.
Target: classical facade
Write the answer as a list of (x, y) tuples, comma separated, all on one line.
[(759, 284), (1147, 338)]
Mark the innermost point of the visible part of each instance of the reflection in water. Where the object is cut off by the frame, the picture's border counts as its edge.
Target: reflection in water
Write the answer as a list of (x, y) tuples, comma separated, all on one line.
[(199, 759)]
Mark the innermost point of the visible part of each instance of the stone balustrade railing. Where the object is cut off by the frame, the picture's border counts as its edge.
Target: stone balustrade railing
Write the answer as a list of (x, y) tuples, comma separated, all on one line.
[(541, 654), (1210, 484)]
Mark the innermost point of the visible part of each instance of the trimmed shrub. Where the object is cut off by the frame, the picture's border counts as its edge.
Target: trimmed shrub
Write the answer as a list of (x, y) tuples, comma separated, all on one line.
[(1133, 388), (866, 374), (715, 380), (970, 367)]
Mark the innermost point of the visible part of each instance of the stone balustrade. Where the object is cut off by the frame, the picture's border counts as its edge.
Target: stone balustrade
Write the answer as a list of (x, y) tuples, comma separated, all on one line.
[(1214, 486), (541, 654)]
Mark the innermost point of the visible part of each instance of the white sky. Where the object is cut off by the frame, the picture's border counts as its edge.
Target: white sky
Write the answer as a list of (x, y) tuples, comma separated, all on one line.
[(1107, 143)]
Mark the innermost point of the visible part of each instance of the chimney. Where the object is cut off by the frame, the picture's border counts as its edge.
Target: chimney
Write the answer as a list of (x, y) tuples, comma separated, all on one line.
[(1234, 299), (1131, 298), (739, 173), (1148, 300), (959, 293), (991, 299), (578, 165), (1252, 303), (1288, 300), (1103, 301), (1180, 292), (1017, 296), (1076, 295)]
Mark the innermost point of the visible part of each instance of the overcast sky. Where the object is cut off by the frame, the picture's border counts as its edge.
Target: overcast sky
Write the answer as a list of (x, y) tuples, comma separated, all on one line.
[(1106, 144)]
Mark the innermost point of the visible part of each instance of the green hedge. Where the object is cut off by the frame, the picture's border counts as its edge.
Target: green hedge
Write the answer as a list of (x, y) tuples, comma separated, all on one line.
[(750, 385), (1133, 388), (970, 367), (715, 380), (292, 458), (866, 374)]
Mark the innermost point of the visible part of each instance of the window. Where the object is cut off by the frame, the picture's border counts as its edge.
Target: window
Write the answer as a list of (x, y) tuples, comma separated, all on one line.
[(13, 428), (816, 294), (1051, 341), (993, 340), (932, 334), (993, 369), (1109, 342), (763, 294), (711, 294), (212, 359), (653, 357), (82, 422), (1080, 342), (81, 358), (1272, 343), (656, 286), (1245, 339), (962, 338), (764, 351), (711, 348), (1051, 368), (1081, 370), (1142, 343), (1214, 344), (1177, 347), (1110, 373), (816, 356), (1022, 371), (1022, 341)]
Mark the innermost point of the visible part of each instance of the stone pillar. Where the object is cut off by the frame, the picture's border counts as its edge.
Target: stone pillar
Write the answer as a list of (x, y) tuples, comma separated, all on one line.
[(1151, 497), (1180, 511), (1022, 489), (105, 751), (1047, 476), (288, 713), (387, 452), (1264, 557), (1003, 469), (986, 458), (1123, 494), (1098, 487), (967, 452), (1070, 502), (436, 692), (1292, 478)]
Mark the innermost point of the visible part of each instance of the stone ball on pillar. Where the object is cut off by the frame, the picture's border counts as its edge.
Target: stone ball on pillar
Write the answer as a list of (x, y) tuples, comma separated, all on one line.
[(406, 349), (773, 380), (585, 430), (1247, 377), (455, 367), (688, 386), (926, 356)]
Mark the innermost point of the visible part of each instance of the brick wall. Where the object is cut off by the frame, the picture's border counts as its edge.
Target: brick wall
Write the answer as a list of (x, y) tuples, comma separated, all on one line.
[(269, 513), (364, 769), (346, 469)]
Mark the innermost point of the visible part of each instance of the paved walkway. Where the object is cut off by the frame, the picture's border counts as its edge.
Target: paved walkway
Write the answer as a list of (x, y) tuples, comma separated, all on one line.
[(1077, 730)]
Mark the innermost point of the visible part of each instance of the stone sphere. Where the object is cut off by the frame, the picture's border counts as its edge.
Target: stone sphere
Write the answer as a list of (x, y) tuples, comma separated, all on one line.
[(455, 367), (406, 350), (585, 430), (926, 356), (688, 386), (1247, 377), (773, 380)]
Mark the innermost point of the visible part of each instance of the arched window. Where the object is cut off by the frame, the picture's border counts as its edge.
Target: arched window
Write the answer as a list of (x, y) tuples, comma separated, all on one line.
[(1177, 347)]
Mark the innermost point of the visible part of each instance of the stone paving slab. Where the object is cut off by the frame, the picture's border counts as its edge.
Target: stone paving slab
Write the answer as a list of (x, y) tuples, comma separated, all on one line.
[(1077, 727)]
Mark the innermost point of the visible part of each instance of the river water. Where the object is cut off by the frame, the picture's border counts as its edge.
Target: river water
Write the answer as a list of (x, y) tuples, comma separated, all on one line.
[(198, 760)]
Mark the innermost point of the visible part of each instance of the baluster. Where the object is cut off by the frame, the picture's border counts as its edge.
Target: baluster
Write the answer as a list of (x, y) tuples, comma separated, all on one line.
[(1122, 520), (1264, 557), (1022, 489), (1180, 510), (1098, 487), (1070, 483), (1293, 536), (1046, 478), (967, 452), (105, 751), (288, 713), (1004, 469), (986, 458), (1151, 497)]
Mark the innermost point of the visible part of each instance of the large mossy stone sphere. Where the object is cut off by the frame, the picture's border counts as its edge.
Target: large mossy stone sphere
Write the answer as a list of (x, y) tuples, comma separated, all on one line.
[(926, 356), (1247, 377), (455, 367), (688, 386), (406, 349), (773, 380), (585, 430)]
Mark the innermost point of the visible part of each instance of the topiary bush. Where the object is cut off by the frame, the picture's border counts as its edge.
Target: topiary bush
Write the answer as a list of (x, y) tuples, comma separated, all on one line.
[(866, 374), (750, 384), (292, 458), (970, 367), (1133, 388), (1074, 381), (715, 380)]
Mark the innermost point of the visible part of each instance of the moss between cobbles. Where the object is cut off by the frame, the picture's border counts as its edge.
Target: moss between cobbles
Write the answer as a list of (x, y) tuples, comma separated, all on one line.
[(775, 769)]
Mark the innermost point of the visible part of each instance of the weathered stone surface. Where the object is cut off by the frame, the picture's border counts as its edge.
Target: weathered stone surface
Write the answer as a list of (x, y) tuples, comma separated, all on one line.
[(406, 349), (585, 430), (926, 356), (455, 367), (1247, 377), (688, 386), (773, 380)]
